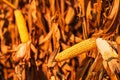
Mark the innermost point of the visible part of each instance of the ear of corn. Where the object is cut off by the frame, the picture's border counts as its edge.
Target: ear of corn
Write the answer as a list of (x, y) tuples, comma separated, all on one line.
[(77, 49), (21, 24)]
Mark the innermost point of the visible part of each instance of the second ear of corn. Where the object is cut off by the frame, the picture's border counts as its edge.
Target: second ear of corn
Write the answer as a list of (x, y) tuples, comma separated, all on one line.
[(21, 24), (77, 49)]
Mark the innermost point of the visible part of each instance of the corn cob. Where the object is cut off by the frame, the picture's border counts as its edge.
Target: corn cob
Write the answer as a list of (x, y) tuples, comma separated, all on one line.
[(77, 49), (21, 24)]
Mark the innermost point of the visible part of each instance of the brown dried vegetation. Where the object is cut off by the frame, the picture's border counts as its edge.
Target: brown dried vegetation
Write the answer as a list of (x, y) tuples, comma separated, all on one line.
[(38, 49)]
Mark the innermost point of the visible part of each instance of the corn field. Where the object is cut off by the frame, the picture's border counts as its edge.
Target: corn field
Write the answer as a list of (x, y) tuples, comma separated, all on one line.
[(59, 39)]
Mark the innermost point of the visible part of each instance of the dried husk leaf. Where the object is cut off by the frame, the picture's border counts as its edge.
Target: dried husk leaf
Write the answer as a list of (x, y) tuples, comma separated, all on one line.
[(108, 54), (112, 16), (70, 15), (21, 51)]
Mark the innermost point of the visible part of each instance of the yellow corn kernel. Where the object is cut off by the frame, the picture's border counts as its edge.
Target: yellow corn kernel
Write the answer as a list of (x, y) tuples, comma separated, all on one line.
[(21, 24), (77, 49)]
